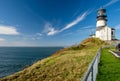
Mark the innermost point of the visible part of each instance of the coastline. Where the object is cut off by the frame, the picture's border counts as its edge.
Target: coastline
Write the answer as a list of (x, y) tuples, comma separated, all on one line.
[(69, 64), (16, 59)]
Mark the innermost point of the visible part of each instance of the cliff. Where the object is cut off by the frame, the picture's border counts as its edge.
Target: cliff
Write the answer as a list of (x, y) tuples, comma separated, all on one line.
[(68, 64)]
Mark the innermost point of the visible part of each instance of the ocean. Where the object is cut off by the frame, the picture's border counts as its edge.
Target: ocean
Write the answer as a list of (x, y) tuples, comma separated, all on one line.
[(14, 59)]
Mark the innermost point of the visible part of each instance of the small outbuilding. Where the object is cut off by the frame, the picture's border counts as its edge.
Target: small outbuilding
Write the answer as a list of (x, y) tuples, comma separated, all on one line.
[(118, 46)]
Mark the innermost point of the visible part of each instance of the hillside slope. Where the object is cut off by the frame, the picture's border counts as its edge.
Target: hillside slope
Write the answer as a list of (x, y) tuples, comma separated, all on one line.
[(68, 64)]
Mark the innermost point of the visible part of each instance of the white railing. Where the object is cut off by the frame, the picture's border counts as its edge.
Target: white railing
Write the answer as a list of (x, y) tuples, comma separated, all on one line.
[(93, 68)]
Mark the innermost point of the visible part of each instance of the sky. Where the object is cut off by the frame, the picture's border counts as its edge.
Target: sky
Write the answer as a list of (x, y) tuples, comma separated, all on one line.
[(53, 22)]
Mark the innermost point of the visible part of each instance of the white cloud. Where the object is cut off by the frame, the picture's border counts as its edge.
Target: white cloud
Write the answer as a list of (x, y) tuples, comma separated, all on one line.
[(50, 30), (39, 34), (76, 21), (110, 3), (35, 36), (117, 27), (87, 27), (2, 39), (92, 31), (8, 30)]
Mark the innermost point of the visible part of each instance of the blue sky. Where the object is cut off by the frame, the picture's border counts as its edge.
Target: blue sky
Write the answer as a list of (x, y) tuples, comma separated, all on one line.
[(53, 22)]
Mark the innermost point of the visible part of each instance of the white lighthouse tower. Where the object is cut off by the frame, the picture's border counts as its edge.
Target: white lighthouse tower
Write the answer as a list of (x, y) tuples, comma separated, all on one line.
[(102, 30)]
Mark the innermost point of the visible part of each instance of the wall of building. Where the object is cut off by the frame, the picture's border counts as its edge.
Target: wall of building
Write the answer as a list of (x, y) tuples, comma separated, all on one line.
[(104, 33)]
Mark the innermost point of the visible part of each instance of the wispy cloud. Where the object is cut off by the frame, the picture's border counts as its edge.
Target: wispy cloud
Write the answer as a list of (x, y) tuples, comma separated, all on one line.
[(67, 34), (2, 40), (117, 27), (87, 27), (50, 30), (76, 21), (76, 13), (35, 36), (39, 34), (8, 30), (92, 31), (110, 3)]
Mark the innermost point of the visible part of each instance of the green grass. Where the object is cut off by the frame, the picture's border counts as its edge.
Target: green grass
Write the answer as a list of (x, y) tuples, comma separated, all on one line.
[(69, 64), (109, 67)]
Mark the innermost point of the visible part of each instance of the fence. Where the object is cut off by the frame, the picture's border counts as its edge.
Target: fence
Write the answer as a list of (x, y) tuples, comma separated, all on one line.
[(93, 68)]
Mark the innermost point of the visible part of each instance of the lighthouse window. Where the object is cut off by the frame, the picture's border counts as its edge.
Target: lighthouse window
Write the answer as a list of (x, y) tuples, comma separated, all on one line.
[(101, 13), (104, 14)]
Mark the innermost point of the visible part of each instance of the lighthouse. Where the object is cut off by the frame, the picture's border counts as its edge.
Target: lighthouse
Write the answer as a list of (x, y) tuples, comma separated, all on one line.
[(101, 18), (102, 30)]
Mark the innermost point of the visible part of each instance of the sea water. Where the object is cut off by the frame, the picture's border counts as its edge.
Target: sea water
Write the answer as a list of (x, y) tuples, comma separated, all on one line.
[(14, 59)]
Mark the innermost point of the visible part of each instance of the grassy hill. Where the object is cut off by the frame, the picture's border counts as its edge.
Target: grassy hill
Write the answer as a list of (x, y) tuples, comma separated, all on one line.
[(68, 64)]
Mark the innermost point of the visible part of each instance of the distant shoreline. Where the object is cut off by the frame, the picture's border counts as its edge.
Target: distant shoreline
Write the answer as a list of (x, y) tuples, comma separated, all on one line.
[(32, 55)]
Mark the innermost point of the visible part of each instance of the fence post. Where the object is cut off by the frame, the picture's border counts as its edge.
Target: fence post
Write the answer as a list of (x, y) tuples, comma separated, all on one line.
[(92, 74)]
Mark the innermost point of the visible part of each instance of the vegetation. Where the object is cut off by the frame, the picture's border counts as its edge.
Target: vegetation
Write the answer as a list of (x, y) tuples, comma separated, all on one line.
[(68, 64), (109, 67)]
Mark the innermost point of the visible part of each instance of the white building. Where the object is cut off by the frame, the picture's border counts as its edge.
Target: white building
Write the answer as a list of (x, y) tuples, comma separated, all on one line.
[(102, 30)]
